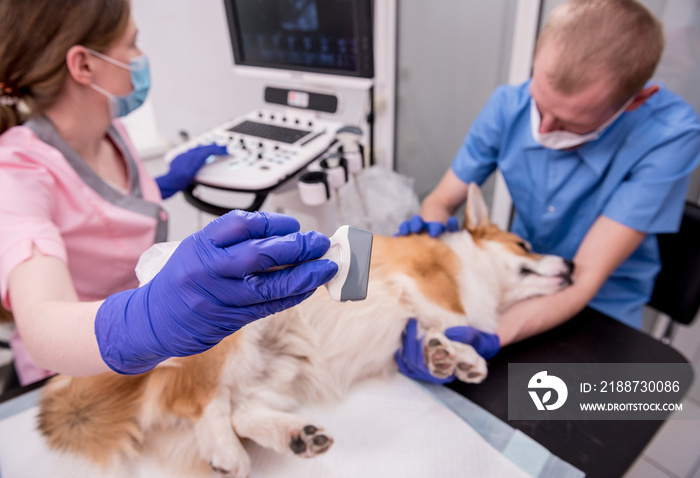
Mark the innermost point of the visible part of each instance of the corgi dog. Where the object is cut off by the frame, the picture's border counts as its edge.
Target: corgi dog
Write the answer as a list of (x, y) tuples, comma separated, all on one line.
[(196, 411)]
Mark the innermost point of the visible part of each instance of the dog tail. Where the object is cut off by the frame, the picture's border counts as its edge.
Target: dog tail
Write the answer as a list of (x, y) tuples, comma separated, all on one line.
[(97, 417)]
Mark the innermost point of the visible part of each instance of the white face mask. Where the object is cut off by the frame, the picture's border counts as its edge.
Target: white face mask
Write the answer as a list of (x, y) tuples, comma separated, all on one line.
[(567, 139)]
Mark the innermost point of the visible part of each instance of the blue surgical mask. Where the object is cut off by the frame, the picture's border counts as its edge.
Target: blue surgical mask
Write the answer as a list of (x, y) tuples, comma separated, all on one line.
[(140, 79)]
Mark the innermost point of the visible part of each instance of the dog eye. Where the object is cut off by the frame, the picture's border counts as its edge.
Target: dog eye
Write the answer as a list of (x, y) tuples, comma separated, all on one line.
[(526, 271), (524, 246)]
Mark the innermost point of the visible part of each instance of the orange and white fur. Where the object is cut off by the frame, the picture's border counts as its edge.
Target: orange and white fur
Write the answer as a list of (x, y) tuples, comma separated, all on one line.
[(196, 411)]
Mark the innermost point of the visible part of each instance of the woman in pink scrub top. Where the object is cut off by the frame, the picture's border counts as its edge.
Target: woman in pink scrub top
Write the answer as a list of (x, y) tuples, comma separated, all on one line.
[(77, 209)]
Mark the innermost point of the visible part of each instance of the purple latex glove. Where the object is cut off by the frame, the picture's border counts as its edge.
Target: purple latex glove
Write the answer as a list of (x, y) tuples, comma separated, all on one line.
[(416, 225), (411, 361), (184, 168), (214, 284)]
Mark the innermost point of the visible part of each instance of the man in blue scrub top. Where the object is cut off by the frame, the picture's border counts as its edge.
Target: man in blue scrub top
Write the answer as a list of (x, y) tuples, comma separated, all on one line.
[(596, 158)]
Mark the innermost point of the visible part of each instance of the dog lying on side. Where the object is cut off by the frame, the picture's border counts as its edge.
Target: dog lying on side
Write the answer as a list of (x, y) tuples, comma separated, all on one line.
[(196, 410)]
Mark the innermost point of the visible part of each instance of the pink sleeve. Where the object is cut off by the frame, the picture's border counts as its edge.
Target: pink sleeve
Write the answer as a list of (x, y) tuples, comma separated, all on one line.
[(26, 201)]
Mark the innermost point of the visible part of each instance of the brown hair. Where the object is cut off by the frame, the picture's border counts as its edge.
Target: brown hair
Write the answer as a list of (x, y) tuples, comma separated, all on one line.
[(617, 38), (36, 36), (5, 316)]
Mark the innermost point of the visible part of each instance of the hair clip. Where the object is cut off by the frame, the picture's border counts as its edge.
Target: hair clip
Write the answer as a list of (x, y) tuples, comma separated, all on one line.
[(8, 95), (6, 89), (8, 100)]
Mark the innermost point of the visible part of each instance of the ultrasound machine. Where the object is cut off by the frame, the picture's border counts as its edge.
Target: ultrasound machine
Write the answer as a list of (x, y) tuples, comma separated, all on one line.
[(294, 140)]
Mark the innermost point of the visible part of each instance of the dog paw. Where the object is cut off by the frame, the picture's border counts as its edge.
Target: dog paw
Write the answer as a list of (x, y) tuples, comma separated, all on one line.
[(439, 354), (471, 367), (309, 441), (231, 465)]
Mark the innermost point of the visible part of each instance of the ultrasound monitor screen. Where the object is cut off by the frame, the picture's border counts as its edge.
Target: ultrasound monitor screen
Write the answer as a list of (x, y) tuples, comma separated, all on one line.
[(331, 36)]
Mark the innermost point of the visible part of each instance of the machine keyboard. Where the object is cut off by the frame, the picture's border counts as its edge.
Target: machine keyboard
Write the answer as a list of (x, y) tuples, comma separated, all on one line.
[(264, 148)]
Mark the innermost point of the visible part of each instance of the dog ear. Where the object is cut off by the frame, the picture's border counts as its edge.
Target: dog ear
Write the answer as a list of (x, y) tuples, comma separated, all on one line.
[(477, 214)]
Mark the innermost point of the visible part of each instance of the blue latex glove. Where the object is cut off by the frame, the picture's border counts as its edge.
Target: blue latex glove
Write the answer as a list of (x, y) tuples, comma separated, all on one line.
[(411, 361), (486, 345), (410, 358), (416, 225), (184, 168), (213, 285)]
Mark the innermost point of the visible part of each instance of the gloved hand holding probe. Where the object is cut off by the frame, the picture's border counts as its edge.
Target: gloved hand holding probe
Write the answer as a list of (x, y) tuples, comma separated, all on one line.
[(213, 285)]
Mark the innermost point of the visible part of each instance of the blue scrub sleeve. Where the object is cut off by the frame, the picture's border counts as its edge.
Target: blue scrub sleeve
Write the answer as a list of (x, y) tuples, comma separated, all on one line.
[(651, 199), (477, 157)]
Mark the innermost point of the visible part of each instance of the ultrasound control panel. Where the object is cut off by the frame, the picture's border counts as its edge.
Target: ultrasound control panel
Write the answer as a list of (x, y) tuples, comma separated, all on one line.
[(264, 147)]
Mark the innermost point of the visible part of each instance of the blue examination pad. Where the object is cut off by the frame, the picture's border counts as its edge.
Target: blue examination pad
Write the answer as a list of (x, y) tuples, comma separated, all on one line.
[(520, 449)]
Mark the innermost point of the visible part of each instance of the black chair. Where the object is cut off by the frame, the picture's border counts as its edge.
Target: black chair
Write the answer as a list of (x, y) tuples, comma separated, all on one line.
[(677, 289)]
